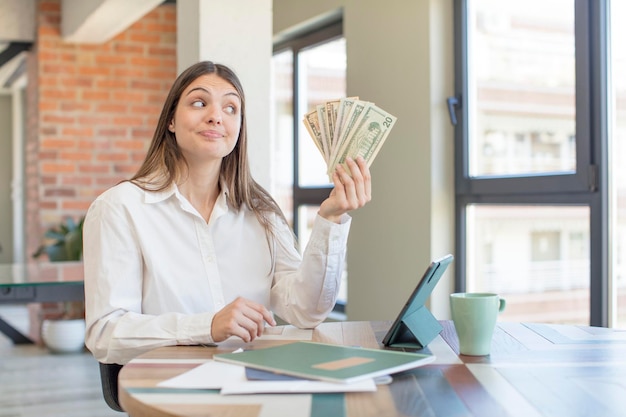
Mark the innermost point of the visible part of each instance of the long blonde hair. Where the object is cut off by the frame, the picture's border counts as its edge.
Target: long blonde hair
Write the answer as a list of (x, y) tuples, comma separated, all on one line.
[(162, 165)]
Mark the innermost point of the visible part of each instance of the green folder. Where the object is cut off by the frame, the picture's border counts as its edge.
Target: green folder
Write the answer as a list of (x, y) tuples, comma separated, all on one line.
[(326, 362)]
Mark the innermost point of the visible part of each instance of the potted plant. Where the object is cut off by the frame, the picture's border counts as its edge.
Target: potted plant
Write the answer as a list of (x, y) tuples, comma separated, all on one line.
[(64, 332), (63, 242)]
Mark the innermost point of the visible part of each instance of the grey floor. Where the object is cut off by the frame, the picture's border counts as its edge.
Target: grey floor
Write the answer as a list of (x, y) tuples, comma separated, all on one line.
[(37, 383)]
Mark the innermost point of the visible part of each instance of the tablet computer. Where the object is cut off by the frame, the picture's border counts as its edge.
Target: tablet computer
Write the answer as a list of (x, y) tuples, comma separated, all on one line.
[(415, 327)]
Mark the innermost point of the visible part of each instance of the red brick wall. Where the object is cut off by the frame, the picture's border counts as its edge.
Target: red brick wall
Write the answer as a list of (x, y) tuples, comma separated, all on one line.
[(92, 110)]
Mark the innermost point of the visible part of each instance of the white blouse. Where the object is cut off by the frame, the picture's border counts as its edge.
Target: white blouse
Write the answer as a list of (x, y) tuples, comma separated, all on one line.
[(156, 272)]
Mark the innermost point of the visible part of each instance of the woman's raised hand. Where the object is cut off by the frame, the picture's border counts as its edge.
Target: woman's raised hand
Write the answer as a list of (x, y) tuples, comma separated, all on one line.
[(351, 191)]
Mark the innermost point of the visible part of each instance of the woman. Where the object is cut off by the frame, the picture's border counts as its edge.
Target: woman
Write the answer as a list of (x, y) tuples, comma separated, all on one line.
[(191, 250)]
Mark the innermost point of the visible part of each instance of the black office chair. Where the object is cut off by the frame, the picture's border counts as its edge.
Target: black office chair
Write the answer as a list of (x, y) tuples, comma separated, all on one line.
[(108, 377)]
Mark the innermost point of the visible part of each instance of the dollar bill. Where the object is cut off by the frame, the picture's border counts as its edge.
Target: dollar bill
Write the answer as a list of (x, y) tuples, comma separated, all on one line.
[(366, 138), (345, 106), (311, 123), (331, 118), (349, 122), (323, 124), (348, 127)]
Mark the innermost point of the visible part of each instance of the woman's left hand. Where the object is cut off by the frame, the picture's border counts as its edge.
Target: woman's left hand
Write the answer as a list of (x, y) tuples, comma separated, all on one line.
[(351, 191)]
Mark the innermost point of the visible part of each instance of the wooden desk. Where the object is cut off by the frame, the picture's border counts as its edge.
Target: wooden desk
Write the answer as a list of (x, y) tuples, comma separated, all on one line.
[(533, 370)]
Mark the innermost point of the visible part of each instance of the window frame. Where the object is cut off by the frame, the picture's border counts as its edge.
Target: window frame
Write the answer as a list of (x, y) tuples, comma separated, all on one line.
[(328, 31), (588, 186)]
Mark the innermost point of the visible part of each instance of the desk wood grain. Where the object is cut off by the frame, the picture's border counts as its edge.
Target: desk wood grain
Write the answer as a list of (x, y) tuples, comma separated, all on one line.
[(533, 370)]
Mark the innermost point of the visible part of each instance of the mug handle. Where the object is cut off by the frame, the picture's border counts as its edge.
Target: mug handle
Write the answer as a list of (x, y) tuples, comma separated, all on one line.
[(502, 305)]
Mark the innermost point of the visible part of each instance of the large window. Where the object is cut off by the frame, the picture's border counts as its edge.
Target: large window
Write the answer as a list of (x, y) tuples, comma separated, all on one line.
[(531, 146), (308, 69)]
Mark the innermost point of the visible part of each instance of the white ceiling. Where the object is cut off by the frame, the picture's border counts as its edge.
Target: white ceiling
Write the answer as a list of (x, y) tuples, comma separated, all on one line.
[(82, 21)]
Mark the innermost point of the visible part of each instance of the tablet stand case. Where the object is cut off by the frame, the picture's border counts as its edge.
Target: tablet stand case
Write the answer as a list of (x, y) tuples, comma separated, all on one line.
[(417, 330)]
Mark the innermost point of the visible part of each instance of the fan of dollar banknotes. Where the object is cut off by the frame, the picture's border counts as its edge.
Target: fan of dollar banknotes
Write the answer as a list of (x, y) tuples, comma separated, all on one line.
[(348, 127)]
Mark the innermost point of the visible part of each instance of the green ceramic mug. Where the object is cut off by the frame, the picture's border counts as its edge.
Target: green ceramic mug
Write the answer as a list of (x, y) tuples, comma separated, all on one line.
[(474, 316)]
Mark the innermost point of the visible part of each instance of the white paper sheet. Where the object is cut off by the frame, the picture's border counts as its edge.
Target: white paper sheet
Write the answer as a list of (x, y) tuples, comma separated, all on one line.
[(209, 375), (231, 379), (287, 332), (287, 387)]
